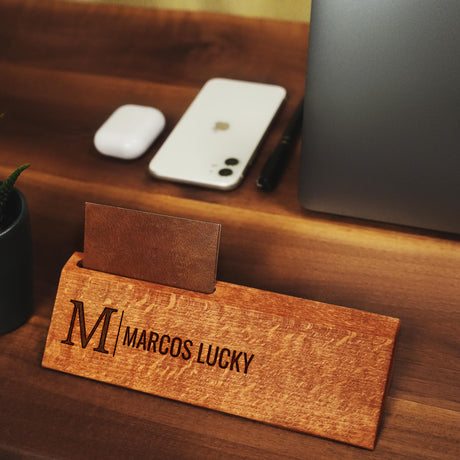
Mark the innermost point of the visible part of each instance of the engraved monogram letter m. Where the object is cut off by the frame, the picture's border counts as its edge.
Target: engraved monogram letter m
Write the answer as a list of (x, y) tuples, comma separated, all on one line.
[(106, 314)]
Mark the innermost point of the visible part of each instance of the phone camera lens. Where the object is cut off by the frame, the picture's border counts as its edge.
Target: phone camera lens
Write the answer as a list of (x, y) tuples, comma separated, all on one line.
[(225, 172), (231, 161)]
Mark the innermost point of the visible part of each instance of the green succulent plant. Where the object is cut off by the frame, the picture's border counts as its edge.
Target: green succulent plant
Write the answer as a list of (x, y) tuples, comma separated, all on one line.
[(6, 188)]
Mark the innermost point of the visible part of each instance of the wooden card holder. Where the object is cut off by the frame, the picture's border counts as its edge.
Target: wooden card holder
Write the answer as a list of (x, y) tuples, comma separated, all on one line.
[(285, 361)]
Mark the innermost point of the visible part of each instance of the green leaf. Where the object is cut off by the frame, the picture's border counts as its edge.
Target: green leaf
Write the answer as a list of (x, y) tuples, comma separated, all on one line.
[(6, 189)]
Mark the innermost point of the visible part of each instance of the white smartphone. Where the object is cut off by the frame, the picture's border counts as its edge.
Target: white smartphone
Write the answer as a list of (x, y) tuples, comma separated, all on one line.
[(216, 139)]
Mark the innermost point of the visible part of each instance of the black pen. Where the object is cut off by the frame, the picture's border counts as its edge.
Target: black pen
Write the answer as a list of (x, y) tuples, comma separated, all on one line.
[(278, 160)]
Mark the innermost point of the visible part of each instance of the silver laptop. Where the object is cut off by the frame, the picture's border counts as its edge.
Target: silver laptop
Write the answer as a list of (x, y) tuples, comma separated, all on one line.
[(381, 127)]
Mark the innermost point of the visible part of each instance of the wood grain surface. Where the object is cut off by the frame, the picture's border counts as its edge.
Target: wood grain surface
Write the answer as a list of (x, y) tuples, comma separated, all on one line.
[(64, 67), (290, 362)]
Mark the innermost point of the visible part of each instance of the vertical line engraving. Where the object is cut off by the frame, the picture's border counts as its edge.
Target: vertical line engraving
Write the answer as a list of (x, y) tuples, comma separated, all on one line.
[(118, 333)]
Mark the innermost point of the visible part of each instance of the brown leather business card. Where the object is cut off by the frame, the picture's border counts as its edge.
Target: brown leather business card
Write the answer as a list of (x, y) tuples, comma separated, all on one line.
[(167, 250)]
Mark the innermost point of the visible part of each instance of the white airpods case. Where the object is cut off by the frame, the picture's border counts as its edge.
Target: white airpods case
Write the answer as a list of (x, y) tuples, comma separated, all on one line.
[(129, 131)]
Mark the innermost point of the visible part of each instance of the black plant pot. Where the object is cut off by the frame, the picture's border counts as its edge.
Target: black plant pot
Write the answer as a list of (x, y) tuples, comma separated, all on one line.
[(16, 276)]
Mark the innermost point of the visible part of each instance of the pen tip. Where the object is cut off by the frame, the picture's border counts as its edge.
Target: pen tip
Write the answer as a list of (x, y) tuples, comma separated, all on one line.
[(263, 184)]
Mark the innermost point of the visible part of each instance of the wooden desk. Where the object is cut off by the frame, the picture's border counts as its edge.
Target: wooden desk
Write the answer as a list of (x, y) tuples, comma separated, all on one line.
[(63, 68)]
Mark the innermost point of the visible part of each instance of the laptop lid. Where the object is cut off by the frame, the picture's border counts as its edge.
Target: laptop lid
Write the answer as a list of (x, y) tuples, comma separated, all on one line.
[(381, 126)]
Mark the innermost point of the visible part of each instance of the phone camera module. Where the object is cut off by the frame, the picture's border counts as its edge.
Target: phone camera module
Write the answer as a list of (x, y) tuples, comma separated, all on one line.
[(225, 172), (231, 161)]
